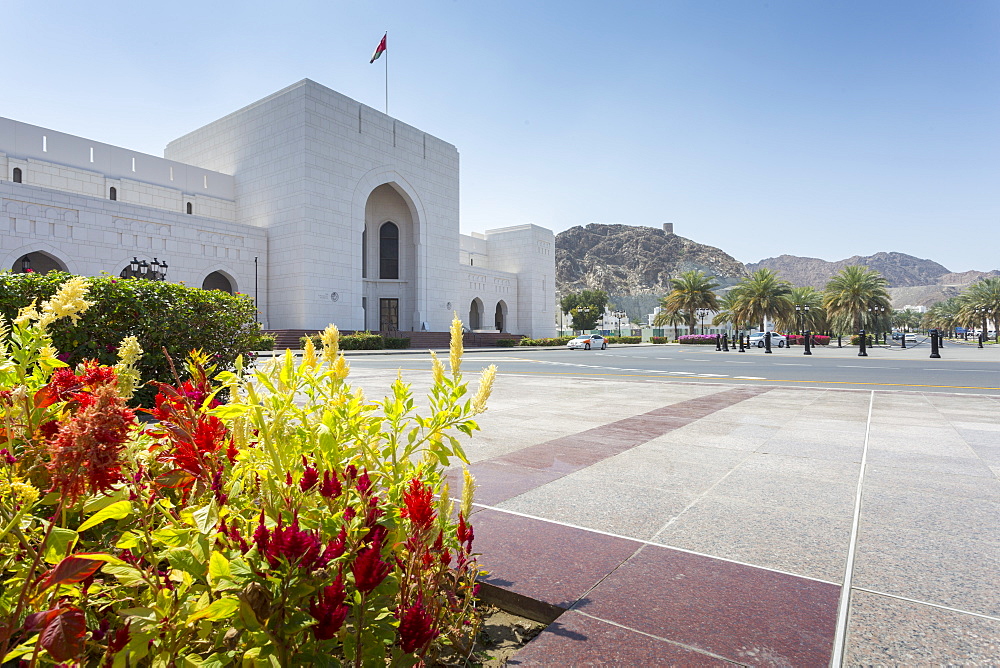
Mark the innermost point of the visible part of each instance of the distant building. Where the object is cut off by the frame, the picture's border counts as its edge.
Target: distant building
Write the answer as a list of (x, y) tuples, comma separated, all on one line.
[(320, 208)]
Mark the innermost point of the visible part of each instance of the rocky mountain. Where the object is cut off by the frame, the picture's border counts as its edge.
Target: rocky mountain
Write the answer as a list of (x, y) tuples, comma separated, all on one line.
[(900, 270), (628, 260)]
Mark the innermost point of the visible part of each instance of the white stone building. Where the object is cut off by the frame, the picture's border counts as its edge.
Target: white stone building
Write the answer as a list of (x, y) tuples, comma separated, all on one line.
[(320, 208)]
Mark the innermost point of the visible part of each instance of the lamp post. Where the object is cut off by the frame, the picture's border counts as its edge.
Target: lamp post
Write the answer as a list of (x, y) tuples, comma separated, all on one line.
[(703, 312), (619, 315), (982, 333), (802, 312), (26, 264), (155, 271), (876, 312)]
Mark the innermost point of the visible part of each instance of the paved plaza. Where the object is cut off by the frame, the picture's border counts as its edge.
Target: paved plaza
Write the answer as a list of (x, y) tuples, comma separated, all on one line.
[(700, 523)]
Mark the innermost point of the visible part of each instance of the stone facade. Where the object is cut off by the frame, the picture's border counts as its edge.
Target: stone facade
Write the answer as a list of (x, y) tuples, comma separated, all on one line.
[(322, 209)]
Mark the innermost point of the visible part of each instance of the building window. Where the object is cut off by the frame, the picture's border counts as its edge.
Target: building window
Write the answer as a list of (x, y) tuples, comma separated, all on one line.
[(388, 251), (190, 208), (364, 253), (114, 194), (17, 175)]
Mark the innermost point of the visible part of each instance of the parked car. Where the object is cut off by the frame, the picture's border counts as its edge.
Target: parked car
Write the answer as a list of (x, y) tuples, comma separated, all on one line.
[(588, 341), (777, 340), (911, 337)]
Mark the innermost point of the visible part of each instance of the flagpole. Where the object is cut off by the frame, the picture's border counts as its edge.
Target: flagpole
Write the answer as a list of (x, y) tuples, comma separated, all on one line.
[(387, 74)]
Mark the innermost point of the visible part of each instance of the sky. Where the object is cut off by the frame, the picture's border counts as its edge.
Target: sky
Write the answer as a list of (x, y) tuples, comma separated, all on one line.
[(818, 128)]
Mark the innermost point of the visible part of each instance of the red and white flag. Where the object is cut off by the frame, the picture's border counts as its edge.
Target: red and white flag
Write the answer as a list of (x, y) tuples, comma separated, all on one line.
[(379, 49)]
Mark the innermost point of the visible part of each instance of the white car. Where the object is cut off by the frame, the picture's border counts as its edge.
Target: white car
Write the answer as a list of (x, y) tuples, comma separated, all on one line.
[(777, 340), (588, 341)]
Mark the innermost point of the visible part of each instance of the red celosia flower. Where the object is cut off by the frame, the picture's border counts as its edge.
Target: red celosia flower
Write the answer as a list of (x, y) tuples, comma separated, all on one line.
[(369, 569), (328, 610), (84, 454), (309, 478), (419, 507), (7, 457), (416, 628), (364, 484), (262, 535), (465, 533), (330, 487), (295, 546)]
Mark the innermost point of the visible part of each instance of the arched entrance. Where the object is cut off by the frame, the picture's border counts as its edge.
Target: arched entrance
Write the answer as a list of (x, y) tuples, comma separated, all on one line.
[(38, 262), (500, 317), (389, 260), (218, 281), (476, 314)]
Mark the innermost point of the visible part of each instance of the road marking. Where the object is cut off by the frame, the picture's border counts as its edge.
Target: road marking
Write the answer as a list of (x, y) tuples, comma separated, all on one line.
[(749, 378), (864, 366), (691, 360), (791, 364), (736, 362)]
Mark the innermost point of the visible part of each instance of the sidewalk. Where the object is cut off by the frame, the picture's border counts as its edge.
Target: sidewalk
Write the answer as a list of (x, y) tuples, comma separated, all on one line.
[(700, 524)]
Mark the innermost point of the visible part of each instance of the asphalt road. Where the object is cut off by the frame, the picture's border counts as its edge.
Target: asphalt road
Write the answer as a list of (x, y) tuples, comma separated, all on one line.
[(962, 368)]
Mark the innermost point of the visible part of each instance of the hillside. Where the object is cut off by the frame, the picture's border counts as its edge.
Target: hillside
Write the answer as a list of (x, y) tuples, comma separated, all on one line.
[(629, 260)]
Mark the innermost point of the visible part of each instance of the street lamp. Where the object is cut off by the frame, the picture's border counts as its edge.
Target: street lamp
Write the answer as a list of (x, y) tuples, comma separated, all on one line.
[(703, 312), (155, 271), (619, 315), (802, 310), (26, 264), (982, 333), (876, 312)]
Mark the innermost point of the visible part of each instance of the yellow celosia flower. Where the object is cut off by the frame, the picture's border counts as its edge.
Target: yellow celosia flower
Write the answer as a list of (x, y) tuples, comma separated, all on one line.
[(485, 389), (21, 493), (68, 300), (437, 367), (26, 314), (468, 491), (456, 348), (444, 502), (331, 342), (129, 352), (309, 360)]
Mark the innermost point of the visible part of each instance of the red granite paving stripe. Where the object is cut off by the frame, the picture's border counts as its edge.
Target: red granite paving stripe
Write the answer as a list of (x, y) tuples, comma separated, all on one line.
[(579, 640), (498, 481), (568, 454), (545, 561), (746, 614)]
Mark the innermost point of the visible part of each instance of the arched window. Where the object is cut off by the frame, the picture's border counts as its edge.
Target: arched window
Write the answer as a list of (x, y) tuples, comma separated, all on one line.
[(17, 175), (498, 318), (114, 194), (364, 253), (190, 208), (217, 281), (476, 314), (388, 251)]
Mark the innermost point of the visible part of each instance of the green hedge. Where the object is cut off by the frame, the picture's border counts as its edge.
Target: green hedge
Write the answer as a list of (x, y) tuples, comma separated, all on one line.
[(159, 314), (506, 343), (360, 341), (394, 343), (660, 339), (557, 341), (624, 339)]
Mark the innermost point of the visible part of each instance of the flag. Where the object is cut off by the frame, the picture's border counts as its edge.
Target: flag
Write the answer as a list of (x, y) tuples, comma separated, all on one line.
[(378, 49)]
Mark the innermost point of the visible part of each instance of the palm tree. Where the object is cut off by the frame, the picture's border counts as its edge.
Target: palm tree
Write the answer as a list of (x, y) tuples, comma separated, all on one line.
[(980, 302), (943, 316), (692, 290), (814, 319), (761, 296), (665, 319), (854, 290), (726, 311)]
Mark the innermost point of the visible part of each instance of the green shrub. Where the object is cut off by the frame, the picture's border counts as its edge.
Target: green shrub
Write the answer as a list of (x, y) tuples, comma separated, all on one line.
[(659, 339), (557, 341), (159, 314), (393, 343), (265, 342), (362, 341), (506, 343), (624, 339)]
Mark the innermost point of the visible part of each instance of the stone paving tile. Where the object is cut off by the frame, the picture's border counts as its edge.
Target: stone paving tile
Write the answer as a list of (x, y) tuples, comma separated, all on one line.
[(744, 614), (662, 468), (884, 631), (544, 561), (497, 481), (786, 539), (972, 487), (579, 640), (940, 464), (604, 505), (954, 570)]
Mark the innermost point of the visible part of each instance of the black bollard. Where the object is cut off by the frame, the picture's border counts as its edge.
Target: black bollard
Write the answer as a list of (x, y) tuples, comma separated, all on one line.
[(725, 342), (940, 339), (980, 340), (862, 337), (718, 342), (934, 345), (840, 342), (742, 349), (767, 342), (904, 341), (807, 337)]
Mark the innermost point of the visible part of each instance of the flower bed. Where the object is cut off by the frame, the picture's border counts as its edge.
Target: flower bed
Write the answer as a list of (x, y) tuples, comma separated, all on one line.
[(557, 341), (299, 524), (697, 339), (817, 340), (624, 339)]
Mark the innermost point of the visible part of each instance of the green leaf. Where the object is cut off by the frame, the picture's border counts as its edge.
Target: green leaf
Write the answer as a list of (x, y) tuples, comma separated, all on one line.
[(171, 537), (116, 511), (127, 575), (127, 541), (60, 543), (218, 569), (229, 411), (185, 560), (206, 518), (147, 614), (224, 608)]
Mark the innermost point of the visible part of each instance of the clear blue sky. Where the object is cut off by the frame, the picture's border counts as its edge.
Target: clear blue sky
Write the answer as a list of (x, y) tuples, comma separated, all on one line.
[(814, 127)]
